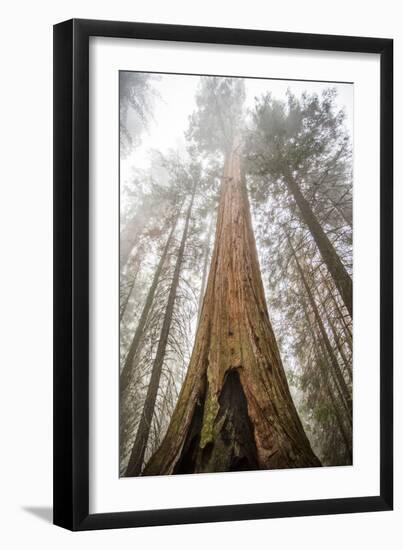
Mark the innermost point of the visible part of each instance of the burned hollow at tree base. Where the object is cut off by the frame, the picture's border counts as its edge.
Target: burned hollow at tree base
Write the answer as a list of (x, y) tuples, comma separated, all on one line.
[(234, 447)]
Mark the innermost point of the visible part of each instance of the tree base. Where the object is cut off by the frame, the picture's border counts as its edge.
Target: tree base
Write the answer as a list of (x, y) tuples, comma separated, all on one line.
[(233, 448)]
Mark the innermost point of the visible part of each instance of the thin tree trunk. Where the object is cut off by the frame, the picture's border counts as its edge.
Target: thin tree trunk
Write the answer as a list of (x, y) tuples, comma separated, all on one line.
[(129, 292), (333, 360), (129, 236), (345, 436), (335, 266), (346, 328), (347, 218), (140, 443), (324, 372), (125, 375), (321, 358), (339, 346), (206, 253), (235, 410), (336, 332)]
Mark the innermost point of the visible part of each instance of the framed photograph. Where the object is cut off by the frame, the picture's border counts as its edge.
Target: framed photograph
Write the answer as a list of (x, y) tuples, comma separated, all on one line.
[(223, 321)]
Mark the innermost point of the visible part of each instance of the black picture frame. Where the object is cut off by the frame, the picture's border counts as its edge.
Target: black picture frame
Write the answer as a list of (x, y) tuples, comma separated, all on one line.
[(71, 274)]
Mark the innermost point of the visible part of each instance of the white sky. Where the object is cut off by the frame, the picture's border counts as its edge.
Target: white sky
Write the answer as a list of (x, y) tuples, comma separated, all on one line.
[(176, 101)]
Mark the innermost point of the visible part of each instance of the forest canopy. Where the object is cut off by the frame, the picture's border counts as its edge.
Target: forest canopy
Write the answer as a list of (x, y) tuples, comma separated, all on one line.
[(235, 274)]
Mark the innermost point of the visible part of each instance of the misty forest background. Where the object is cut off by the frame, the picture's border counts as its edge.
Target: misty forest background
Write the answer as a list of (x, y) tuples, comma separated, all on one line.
[(234, 357)]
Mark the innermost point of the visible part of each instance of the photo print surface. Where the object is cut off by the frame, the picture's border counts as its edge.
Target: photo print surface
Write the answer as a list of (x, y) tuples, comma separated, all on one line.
[(235, 274)]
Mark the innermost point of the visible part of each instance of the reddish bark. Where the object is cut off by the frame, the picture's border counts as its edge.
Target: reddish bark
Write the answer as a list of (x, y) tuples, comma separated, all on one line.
[(235, 410)]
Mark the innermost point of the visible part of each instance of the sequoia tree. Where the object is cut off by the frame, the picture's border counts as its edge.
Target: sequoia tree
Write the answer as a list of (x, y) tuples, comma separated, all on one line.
[(235, 410)]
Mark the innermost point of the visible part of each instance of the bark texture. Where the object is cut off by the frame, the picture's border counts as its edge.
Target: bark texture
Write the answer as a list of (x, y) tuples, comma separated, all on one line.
[(235, 410)]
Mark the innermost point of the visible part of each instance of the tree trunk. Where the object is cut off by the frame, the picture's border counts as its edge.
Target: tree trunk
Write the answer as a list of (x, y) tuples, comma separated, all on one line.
[(347, 217), (206, 252), (130, 289), (346, 327), (345, 436), (125, 375), (320, 354), (129, 235), (339, 345), (333, 360), (140, 443), (335, 266), (235, 410)]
